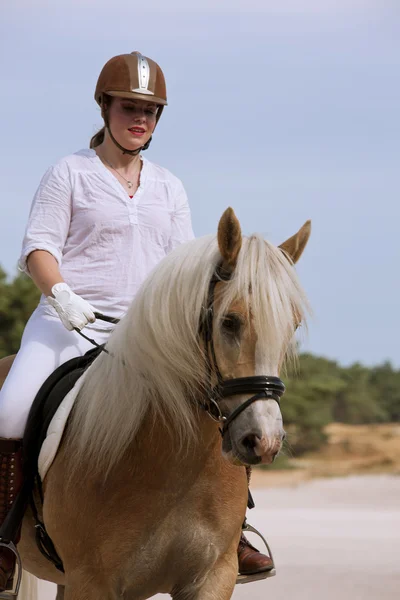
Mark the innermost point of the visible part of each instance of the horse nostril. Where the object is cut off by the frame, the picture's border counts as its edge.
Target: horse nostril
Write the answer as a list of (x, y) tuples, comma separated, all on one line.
[(250, 441), (284, 436)]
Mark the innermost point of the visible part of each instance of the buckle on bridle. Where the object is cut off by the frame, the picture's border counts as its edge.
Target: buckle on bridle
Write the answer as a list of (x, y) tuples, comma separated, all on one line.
[(214, 411)]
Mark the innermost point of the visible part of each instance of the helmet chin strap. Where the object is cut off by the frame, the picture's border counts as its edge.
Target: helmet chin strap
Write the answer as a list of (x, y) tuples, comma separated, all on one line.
[(125, 150)]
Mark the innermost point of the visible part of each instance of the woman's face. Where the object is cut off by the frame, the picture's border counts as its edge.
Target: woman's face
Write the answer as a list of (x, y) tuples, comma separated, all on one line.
[(132, 121)]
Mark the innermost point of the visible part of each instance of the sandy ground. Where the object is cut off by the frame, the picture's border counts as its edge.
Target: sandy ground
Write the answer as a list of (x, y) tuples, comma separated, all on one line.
[(332, 539)]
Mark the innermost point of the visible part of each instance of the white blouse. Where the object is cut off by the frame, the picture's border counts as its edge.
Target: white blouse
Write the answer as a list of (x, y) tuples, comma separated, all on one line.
[(105, 242)]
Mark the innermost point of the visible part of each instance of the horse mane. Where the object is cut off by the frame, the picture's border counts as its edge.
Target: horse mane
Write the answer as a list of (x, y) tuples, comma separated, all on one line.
[(156, 358)]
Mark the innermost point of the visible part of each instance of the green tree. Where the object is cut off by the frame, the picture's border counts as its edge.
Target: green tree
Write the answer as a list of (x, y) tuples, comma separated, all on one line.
[(357, 402), (385, 385), (18, 299), (308, 404)]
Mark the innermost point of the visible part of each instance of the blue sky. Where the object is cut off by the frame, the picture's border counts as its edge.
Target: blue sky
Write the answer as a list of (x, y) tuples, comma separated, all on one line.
[(284, 109)]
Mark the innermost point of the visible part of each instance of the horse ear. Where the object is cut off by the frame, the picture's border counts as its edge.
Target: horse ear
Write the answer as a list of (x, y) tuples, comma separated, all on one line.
[(229, 238), (294, 246)]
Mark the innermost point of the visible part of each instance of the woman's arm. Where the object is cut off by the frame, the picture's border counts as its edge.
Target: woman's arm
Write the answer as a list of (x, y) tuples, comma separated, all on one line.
[(43, 269), (43, 245), (49, 222)]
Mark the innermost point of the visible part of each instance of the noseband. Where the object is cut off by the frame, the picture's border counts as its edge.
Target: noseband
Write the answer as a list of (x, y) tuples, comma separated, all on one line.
[(264, 387)]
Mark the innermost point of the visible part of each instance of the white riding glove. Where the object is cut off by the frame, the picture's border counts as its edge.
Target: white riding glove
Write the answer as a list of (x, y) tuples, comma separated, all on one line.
[(73, 310)]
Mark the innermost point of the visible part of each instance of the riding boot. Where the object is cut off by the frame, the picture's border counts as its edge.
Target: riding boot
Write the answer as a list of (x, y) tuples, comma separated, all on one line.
[(250, 559), (10, 483)]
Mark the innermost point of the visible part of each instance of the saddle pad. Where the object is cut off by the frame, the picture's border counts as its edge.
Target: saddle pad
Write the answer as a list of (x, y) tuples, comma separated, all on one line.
[(56, 428)]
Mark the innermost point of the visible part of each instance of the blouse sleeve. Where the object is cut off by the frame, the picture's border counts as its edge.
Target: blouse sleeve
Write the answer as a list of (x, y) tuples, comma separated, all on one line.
[(50, 216), (181, 219)]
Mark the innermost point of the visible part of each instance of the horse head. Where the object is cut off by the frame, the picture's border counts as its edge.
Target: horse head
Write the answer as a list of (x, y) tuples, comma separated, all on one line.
[(209, 328), (256, 306)]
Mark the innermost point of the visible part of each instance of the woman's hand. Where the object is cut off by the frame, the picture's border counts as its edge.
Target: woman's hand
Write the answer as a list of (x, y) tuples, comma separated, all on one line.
[(74, 311)]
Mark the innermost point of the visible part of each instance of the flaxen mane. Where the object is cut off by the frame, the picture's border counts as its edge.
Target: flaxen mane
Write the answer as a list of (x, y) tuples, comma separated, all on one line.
[(156, 358)]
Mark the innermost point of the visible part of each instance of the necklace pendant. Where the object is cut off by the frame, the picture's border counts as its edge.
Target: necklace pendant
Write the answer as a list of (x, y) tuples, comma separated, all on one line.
[(129, 184)]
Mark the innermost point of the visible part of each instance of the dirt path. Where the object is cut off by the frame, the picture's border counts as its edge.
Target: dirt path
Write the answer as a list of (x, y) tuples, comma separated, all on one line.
[(332, 539)]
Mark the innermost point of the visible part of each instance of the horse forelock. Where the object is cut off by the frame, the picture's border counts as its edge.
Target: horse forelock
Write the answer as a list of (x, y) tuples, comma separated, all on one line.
[(156, 360)]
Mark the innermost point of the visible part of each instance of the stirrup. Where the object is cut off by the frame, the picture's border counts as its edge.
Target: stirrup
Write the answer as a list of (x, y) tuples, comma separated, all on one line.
[(256, 576), (12, 594)]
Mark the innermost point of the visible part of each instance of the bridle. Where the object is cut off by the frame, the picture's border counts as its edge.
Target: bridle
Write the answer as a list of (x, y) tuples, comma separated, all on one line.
[(264, 387)]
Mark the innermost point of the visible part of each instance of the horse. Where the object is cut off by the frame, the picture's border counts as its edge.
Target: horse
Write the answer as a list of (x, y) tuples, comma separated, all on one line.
[(147, 493)]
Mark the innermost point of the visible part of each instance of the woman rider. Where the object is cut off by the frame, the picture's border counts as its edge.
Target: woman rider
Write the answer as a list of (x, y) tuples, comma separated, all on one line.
[(101, 219)]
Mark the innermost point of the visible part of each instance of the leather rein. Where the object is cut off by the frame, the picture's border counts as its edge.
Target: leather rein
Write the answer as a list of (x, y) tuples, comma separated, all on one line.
[(263, 387)]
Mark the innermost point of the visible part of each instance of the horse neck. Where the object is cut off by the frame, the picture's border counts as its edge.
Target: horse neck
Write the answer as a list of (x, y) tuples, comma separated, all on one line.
[(157, 444), (156, 459)]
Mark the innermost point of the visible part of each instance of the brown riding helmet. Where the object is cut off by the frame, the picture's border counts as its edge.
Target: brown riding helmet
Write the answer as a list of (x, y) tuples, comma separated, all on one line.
[(132, 76)]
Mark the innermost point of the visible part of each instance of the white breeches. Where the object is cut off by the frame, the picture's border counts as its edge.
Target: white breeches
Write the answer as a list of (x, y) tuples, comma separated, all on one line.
[(45, 345)]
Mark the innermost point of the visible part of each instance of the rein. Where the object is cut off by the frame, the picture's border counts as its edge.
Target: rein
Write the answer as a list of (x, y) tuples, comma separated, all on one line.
[(102, 318), (264, 387)]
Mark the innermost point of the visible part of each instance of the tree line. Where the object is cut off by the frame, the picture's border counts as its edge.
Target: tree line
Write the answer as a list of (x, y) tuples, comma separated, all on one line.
[(319, 390)]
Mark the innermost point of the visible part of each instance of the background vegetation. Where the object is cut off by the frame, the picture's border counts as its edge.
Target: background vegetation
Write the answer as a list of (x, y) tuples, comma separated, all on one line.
[(320, 392)]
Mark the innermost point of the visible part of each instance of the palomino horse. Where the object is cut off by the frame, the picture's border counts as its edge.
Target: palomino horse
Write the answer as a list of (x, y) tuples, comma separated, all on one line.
[(141, 498)]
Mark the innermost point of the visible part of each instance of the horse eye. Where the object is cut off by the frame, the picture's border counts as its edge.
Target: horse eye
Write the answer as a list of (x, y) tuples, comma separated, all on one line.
[(231, 325)]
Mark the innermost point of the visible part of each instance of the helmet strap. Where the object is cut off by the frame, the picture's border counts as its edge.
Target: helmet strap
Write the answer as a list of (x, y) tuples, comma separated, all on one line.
[(125, 150)]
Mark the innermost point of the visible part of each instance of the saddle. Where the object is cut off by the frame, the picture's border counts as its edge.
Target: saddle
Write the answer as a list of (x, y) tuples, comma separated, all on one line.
[(44, 407)]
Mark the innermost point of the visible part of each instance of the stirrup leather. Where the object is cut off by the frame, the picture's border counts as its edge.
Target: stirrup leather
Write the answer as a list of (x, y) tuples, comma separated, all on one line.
[(256, 576), (12, 594)]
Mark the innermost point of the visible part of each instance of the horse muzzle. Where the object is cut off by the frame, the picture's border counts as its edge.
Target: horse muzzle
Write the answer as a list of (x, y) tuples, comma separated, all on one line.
[(252, 447), (256, 449)]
